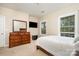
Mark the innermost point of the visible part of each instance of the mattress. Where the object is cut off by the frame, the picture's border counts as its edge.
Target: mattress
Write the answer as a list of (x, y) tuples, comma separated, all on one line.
[(56, 45)]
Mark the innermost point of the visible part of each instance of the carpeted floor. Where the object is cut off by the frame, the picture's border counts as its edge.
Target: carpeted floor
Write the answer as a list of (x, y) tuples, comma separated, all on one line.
[(22, 50)]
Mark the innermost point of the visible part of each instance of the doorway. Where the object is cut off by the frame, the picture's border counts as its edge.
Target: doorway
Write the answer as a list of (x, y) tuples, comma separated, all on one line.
[(2, 31)]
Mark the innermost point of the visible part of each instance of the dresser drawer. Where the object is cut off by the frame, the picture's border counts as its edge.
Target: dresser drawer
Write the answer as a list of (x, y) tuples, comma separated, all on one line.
[(18, 38)]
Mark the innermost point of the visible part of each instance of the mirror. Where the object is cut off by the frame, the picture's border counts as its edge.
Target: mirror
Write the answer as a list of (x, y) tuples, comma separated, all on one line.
[(17, 25)]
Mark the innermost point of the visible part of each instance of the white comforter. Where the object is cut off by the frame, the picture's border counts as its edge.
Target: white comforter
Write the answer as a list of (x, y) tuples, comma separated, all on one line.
[(56, 45)]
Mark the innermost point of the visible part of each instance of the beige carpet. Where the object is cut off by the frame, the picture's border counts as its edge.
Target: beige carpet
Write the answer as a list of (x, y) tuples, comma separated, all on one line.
[(22, 50)]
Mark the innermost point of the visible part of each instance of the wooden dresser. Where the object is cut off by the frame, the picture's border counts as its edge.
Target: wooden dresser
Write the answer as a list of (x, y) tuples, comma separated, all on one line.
[(19, 38)]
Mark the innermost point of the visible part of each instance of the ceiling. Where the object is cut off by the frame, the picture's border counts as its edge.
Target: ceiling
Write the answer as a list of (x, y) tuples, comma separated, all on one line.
[(35, 9)]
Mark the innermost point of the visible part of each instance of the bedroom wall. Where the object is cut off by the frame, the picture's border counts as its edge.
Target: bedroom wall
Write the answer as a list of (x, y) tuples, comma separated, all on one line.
[(9, 16), (52, 18)]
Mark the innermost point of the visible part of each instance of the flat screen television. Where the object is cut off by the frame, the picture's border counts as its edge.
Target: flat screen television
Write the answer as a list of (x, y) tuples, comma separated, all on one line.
[(33, 24)]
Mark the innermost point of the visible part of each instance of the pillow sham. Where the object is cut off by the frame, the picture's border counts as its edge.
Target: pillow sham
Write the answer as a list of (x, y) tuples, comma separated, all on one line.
[(76, 39)]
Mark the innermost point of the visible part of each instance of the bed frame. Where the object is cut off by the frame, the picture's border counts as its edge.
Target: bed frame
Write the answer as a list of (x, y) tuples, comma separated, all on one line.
[(49, 54)]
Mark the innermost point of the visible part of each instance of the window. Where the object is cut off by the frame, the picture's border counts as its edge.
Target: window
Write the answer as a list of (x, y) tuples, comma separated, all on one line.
[(43, 27), (67, 26)]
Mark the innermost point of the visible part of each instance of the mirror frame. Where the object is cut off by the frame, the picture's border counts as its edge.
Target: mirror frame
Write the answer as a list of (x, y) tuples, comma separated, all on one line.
[(18, 21)]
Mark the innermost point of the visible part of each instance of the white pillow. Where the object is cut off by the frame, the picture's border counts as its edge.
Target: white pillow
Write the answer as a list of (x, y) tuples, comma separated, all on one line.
[(76, 46), (76, 39)]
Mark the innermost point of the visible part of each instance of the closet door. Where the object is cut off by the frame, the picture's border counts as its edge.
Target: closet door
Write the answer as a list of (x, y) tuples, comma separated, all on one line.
[(2, 31)]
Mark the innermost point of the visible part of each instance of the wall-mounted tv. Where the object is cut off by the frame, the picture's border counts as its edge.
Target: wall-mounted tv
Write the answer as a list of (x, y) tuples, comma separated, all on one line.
[(33, 24)]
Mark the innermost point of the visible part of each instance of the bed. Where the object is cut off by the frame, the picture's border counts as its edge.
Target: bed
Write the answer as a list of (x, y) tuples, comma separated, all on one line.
[(56, 45)]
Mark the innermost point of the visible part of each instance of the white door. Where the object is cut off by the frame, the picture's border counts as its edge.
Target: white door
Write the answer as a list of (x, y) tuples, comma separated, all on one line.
[(2, 31)]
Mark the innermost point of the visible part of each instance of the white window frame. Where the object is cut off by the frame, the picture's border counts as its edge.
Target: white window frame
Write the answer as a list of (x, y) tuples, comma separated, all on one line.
[(76, 22)]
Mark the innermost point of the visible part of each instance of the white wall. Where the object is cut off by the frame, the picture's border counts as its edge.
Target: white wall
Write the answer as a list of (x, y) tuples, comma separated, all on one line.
[(52, 18)]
